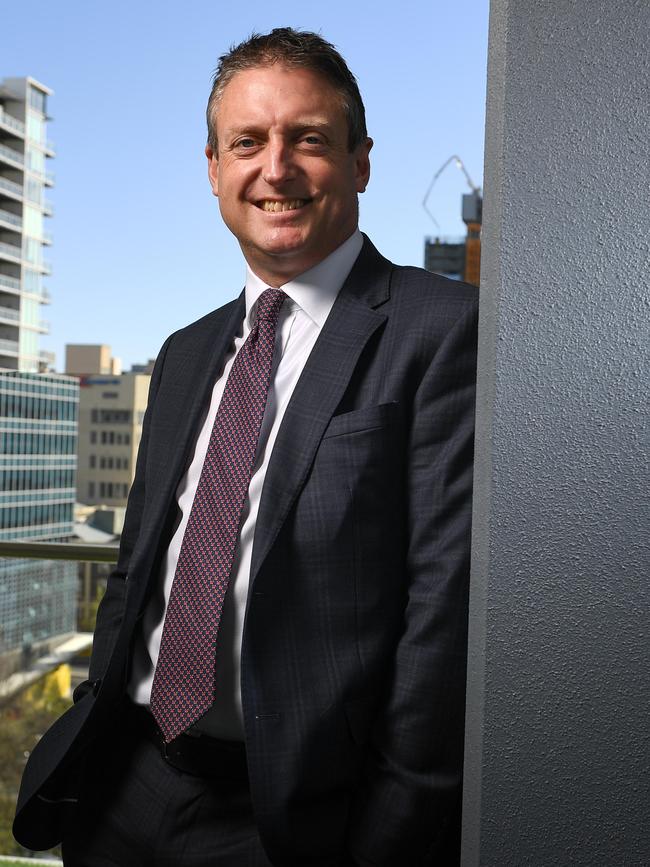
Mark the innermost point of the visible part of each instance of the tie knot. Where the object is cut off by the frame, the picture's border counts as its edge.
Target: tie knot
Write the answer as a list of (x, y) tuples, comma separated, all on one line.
[(269, 303)]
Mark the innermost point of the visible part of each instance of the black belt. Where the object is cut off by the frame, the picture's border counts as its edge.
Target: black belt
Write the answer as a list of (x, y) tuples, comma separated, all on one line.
[(199, 754)]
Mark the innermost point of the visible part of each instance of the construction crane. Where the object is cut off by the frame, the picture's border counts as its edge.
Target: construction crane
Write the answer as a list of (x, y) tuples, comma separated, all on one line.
[(472, 214)]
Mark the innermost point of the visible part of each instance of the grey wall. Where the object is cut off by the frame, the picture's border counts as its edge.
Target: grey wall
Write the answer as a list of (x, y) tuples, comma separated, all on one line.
[(557, 768)]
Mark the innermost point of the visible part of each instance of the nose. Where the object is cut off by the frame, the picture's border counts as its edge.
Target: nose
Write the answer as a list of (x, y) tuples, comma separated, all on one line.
[(278, 163)]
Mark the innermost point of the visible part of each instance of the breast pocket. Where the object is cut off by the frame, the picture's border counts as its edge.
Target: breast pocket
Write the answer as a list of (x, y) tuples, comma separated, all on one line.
[(366, 419)]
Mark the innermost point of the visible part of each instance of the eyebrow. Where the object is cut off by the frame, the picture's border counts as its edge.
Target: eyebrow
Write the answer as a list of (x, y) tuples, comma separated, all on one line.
[(297, 126)]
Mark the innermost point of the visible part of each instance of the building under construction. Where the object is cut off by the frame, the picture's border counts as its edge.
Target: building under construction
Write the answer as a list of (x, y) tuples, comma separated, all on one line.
[(459, 259)]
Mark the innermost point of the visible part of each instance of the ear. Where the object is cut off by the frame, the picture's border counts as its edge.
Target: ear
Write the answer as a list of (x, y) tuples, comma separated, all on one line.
[(362, 165), (213, 169)]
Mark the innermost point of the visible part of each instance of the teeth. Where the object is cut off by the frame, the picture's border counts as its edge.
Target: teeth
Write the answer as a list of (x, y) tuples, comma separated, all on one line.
[(290, 205)]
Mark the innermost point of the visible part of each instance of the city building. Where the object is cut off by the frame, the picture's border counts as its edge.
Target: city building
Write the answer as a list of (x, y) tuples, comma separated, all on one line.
[(459, 258), (82, 359), (24, 178), (38, 447), (111, 412)]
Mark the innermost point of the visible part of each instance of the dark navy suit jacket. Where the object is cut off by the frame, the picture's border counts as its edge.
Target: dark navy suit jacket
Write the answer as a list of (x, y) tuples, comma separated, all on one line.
[(354, 648)]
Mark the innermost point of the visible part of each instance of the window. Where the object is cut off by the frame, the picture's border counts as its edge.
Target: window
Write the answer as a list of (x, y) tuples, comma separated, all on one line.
[(91, 490), (92, 461), (94, 416), (104, 438), (38, 100), (32, 281), (93, 437), (34, 191), (102, 489)]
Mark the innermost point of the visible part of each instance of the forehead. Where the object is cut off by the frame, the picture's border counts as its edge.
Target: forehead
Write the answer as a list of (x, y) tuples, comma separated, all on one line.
[(279, 91)]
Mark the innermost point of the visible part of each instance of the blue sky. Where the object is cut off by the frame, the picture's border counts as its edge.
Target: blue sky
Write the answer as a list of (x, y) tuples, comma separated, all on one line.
[(139, 248)]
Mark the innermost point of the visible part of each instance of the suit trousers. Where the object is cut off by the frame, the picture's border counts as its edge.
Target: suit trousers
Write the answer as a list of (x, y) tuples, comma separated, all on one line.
[(136, 810)]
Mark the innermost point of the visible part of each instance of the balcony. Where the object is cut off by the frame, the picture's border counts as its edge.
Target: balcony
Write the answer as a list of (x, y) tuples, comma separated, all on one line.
[(12, 220), (46, 238), (9, 283), (48, 208), (10, 315), (11, 252), (50, 149), (12, 123), (49, 179), (11, 187), (8, 347), (9, 155)]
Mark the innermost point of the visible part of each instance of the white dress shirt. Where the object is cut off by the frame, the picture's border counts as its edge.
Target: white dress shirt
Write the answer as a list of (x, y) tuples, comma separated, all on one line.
[(310, 300)]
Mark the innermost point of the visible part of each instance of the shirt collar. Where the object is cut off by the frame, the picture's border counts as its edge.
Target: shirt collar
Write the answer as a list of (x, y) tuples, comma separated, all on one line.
[(314, 291)]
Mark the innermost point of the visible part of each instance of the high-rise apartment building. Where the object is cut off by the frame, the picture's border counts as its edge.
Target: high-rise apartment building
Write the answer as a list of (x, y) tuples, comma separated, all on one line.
[(24, 153), (38, 446), (38, 411)]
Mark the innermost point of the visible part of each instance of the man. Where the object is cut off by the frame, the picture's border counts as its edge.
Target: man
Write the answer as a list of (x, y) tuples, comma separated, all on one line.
[(278, 670)]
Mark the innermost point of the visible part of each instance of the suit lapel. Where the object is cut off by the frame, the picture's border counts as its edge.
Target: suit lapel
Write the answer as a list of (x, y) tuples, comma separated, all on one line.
[(189, 377), (318, 392)]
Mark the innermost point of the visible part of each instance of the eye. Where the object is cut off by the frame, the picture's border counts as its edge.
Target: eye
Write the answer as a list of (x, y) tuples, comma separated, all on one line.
[(245, 144), (313, 139)]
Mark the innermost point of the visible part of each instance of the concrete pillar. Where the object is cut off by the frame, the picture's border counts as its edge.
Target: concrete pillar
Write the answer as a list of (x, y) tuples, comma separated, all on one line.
[(558, 731)]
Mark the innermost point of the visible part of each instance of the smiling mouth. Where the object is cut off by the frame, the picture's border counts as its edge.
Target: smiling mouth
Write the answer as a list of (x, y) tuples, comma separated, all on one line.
[(274, 207)]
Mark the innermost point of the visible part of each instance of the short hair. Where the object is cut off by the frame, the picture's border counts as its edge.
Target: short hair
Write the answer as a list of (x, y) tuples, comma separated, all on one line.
[(294, 49)]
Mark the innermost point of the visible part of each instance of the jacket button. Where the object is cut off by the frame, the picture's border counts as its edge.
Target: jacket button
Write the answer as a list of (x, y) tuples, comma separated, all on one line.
[(96, 685)]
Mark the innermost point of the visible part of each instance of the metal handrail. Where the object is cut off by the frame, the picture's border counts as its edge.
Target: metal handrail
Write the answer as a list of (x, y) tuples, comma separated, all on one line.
[(11, 250), (10, 313), (9, 282), (11, 187), (84, 553), (12, 122), (12, 219), (11, 154)]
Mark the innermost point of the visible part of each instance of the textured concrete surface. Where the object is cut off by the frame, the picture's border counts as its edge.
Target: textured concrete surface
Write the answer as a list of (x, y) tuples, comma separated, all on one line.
[(557, 761)]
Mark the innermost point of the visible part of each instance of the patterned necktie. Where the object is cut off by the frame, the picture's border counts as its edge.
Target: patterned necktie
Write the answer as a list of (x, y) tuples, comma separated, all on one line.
[(183, 684)]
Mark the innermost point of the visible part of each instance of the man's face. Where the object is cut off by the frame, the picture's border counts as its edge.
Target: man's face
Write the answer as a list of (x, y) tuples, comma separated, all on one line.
[(286, 182)]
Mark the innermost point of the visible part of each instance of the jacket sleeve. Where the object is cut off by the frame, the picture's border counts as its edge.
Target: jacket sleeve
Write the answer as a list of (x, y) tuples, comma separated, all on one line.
[(410, 796), (111, 608)]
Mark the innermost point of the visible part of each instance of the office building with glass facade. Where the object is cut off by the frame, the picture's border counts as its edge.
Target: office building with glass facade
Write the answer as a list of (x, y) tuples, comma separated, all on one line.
[(24, 154), (38, 448)]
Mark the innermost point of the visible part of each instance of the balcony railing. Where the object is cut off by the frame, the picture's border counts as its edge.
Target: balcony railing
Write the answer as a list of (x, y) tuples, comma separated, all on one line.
[(11, 250), (11, 187), (12, 155), (9, 283), (60, 551), (11, 122), (9, 346), (49, 179), (10, 219), (48, 208), (9, 314)]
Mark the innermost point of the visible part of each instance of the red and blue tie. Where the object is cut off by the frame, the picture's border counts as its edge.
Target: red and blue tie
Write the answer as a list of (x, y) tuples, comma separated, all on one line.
[(184, 680)]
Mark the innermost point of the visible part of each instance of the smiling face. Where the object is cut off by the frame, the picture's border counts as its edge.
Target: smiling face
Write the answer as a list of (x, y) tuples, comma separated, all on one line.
[(286, 182)]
